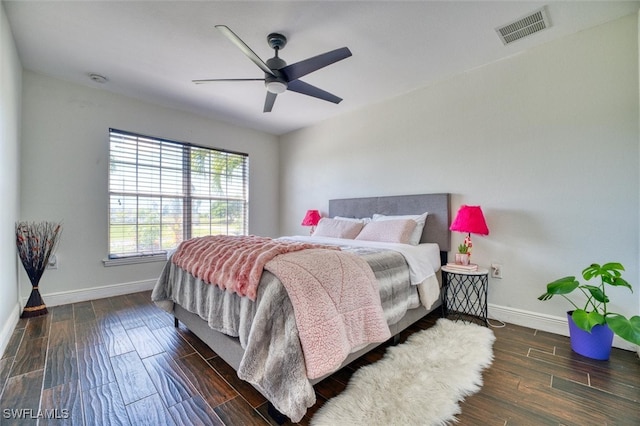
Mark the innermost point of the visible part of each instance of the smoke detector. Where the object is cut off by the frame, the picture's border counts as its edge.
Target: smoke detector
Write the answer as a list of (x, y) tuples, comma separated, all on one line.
[(524, 27)]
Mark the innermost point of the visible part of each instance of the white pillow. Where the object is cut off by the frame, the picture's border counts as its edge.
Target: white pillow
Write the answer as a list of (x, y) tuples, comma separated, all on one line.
[(420, 220), (336, 228), (363, 220), (388, 231)]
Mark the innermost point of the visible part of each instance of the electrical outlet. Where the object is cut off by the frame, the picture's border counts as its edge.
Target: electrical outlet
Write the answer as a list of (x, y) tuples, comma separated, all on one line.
[(53, 262), (496, 270)]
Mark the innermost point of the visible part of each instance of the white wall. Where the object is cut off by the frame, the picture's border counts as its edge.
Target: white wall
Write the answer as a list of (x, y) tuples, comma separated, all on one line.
[(10, 88), (65, 157), (547, 142)]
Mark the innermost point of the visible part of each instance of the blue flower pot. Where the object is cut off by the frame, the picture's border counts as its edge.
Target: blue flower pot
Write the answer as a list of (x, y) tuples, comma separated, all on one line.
[(595, 345)]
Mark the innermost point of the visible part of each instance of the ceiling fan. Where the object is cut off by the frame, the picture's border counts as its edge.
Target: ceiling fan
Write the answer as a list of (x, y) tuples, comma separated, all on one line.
[(278, 76)]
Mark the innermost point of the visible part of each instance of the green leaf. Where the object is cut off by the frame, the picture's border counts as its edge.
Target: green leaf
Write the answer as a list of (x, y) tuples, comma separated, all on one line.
[(580, 317), (545, 296), (629, 330), (595, 318), (562, 286), (621, 282), (610, 271), (597, 293), (613, 266), (591, 271), (586, 320)]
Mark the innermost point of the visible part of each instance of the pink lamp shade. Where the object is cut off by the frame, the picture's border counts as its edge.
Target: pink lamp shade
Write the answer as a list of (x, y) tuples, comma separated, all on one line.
[(311, 218), (470, 220)]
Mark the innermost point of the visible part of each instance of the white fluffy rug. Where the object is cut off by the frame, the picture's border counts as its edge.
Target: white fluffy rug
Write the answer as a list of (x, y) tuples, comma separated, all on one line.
[(419, 382)]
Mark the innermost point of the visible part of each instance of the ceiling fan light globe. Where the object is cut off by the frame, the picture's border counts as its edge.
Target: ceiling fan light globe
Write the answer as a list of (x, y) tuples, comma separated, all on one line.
[(276, 87)]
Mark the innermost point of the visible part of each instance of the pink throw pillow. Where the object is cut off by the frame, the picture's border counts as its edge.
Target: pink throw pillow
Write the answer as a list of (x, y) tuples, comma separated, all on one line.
[(336, 228), (388, 231)]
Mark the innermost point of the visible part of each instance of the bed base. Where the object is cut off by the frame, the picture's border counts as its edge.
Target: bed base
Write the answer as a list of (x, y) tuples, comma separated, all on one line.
[(229, 349)]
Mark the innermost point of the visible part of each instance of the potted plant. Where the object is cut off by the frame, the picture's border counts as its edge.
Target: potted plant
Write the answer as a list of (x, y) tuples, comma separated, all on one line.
[(462, 257), (594, 321)]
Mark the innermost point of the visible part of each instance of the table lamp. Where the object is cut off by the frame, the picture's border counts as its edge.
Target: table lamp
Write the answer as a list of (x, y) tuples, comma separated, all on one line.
[(470, 219), (311, 219)]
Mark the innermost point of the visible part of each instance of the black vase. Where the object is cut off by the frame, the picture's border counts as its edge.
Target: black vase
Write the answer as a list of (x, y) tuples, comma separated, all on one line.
[(35, 243), (35, 305)]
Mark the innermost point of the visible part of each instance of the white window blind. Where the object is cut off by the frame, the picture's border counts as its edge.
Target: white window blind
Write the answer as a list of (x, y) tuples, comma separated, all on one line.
[(162, 192)]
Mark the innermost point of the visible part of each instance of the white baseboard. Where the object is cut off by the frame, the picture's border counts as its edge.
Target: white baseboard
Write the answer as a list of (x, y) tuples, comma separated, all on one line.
[(7, 329), (538, 321), (548, 323), (75, 296)]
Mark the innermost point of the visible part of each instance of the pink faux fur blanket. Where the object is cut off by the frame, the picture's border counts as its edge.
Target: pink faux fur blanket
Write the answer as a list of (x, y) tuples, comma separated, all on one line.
[(336, 302), (234, 263)]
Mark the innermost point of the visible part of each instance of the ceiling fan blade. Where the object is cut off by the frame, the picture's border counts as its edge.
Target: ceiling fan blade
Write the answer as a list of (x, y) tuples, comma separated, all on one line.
[(302, 68), (245, 49), (268, 102), (212, 80), (309, 90)]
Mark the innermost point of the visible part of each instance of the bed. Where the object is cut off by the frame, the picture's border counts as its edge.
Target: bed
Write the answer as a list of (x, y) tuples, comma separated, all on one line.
[(261, 342)]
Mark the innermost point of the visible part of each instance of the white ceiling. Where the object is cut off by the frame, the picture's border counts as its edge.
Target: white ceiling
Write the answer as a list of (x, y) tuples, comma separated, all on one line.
[(152, 50)]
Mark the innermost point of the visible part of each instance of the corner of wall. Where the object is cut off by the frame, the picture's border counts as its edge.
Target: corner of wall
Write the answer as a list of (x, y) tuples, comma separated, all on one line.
[(7, 329), (10, 137)]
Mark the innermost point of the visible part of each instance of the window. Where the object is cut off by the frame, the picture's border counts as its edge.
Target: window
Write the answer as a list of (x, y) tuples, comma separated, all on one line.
[(163, 192)]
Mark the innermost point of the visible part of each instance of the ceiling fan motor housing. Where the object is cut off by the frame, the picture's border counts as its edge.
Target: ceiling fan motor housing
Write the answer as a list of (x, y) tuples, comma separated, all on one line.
[(276, 83), (276, 63)]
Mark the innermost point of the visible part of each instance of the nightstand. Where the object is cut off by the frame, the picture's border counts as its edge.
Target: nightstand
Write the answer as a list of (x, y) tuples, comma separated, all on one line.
[(464, 295)]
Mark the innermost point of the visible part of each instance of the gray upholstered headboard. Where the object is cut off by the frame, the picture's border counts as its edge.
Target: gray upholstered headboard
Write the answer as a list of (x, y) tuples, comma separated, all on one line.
[(436, 229)]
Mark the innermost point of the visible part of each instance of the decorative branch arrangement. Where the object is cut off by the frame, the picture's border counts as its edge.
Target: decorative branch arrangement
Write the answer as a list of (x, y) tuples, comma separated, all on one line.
[(36, 241)]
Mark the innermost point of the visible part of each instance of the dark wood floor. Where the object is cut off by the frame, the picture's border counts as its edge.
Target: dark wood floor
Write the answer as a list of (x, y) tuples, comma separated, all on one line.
[(121, 361)]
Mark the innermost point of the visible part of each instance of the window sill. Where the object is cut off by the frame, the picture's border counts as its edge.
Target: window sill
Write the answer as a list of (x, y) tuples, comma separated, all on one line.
[(134, 260)]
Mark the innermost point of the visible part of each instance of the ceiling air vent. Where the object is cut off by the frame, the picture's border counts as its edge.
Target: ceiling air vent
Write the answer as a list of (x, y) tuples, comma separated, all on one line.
[(523, 27)]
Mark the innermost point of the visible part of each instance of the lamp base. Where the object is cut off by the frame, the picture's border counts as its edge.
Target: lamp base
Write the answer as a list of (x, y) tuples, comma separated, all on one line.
[(468, 244)]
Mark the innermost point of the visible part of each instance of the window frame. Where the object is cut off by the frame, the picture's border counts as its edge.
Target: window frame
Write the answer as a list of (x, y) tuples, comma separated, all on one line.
[(188, 196)]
